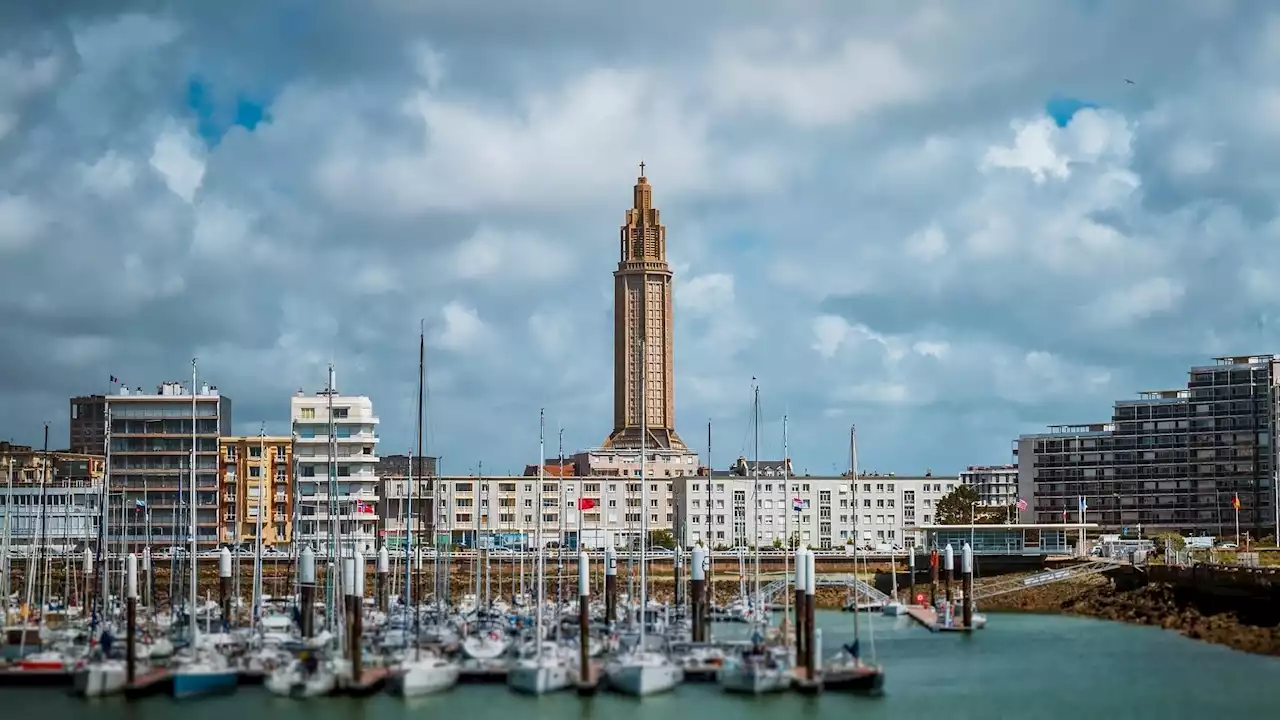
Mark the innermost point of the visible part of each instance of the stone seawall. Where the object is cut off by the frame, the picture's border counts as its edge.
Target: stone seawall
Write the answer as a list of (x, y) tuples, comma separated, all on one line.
[(1156, 603)]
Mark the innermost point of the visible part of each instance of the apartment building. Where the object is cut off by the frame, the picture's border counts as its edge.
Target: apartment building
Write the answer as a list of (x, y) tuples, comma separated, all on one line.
[(153, 438), (87, 430), (1169, 460), (54, 497), (335, 447), (257, 479), (721, 508), (394, 494), (996, 485)]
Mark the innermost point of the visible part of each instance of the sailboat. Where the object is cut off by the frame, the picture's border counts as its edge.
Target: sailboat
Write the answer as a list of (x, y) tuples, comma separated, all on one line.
[(641, 671), (422, 674), (208, 672), (847, 672), (545, 671), (894, 607), (759, 670)]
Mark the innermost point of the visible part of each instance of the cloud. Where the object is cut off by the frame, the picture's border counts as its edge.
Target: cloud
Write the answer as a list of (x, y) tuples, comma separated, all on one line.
[(870, 209), (461, 329)]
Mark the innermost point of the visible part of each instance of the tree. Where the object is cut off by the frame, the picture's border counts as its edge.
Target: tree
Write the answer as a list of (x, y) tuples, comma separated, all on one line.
[(957, 507), (662, 539)]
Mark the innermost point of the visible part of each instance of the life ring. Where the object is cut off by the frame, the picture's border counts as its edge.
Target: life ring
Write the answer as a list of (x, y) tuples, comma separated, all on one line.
[(920, 598)]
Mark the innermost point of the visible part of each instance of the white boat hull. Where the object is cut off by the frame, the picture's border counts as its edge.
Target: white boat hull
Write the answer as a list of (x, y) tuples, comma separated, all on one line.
[(419, 679), (894, 609), (290, 682), (102, 679), (534, 678), (640, 680), (753, 680)]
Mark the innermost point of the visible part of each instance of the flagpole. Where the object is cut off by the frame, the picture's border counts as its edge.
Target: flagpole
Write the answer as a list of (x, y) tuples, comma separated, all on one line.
[(1235, 503)]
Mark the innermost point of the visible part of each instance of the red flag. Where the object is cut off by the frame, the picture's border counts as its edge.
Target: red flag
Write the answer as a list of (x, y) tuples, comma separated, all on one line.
[(1235, 503), (586, 504)]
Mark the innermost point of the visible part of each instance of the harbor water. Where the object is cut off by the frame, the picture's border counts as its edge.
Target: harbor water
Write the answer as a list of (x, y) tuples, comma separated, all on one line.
[(1020, 666)]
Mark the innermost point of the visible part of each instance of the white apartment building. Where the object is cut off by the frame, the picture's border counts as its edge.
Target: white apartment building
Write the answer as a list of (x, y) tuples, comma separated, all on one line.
[(505, 510), (996, 485), (721, 510), (336, 455)]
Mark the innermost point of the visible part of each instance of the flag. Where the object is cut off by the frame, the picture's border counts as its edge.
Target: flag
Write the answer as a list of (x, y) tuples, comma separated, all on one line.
[(1084, 504), (1235, 503), (1064, 514), (799, 504), (363, 507), (586, 503), (115, 380), (139, 505), (1021, 504)]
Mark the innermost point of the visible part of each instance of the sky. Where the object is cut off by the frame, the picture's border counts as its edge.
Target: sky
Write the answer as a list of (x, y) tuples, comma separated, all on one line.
[(945, 225)]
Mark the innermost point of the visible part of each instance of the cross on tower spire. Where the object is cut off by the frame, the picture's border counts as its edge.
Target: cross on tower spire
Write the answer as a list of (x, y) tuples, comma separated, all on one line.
[(642, 168)]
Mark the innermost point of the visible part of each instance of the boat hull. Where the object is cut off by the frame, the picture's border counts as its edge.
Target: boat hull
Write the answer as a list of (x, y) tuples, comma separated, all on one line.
[(642, 680), (895, 609), (424, 680), (864, 680), (100, 680), (290, 683), (201, 683), (538, 679), (753, 681)]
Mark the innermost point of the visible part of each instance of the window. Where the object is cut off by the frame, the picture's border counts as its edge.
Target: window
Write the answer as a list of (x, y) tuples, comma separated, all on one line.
[(340, 413), (307, 413), (255, 451)]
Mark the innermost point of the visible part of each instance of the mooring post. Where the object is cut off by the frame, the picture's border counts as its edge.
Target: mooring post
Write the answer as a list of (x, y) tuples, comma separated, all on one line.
[(966, 563)]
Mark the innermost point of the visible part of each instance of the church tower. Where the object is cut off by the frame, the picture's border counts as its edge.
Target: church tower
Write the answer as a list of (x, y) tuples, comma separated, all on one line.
[(642, 330)]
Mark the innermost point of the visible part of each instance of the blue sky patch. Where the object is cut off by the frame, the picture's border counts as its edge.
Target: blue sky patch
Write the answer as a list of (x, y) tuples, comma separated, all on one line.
[(1062, 109), (215, 115)]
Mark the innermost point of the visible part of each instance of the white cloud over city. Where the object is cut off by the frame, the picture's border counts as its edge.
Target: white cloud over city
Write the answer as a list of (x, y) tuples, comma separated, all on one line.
[(948, 226)]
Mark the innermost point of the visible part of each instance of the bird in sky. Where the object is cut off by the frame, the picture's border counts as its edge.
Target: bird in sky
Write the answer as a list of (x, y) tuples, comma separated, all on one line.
[(1127, 80)]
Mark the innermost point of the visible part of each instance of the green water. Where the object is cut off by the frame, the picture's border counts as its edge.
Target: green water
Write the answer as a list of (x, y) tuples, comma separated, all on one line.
[(1020, 666)]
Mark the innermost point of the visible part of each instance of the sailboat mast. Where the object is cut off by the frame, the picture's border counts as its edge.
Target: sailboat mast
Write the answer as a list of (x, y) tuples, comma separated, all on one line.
[(193, 576), (42, 538), (5, 562), (644, 500), (857, 540), (413, 459), (104, 513), (264, 479), (786, 533), (756, 491), (537, 532), (711, 595)]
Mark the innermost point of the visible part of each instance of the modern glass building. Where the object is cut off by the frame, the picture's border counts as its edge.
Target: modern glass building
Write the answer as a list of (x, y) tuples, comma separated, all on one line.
[(149, 461), (1168, 460)]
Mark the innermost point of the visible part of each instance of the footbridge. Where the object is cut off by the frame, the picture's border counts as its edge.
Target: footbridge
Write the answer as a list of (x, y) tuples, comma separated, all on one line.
[(860, 590), (1003, 586)]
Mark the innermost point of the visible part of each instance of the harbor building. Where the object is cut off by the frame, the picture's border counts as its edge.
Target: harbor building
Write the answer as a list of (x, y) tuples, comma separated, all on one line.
[(257, 478), (54, 496), (825, 513), (996, 485), (1175, 459), (152, 440), (87, 430), (335, 447)]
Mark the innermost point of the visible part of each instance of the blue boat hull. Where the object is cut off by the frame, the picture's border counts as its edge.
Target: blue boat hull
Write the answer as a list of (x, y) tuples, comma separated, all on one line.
[(196, 684)]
